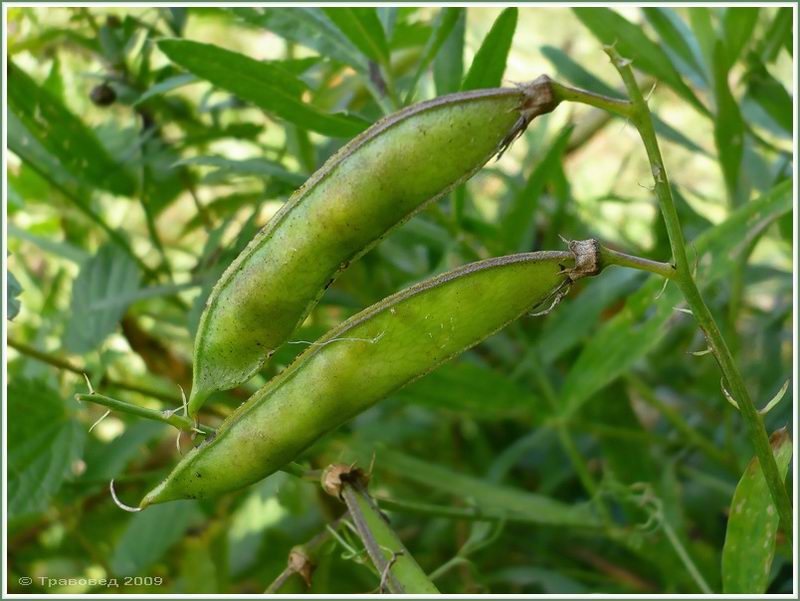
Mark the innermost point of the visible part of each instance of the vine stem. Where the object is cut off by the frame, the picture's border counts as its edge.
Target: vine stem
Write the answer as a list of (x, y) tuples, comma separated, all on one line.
[(399, 572), (613, 257), (60, 363), (168, 417), (638, 113)]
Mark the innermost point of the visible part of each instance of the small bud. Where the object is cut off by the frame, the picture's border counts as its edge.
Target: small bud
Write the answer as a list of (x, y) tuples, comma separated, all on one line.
[(300, 563), (103, 95), (334, 476)]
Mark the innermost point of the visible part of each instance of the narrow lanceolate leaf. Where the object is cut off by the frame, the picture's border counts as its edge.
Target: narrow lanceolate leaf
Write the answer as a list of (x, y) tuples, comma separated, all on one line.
[(42, 446), (448, 66), (167, 85), (28, 148), (639, 326), (576, 74), (13, 290), (515, 505), (678, 38), (489, 64), (519, 223), (463, 388), (753, 526), (308, 27), (149, 535), (611, 28), (269, 88), (738, 24), (94, 314), (769, 94), (64, 136), (728, 126), (443, 26), (778, 35), (257, 166), (363, 28)]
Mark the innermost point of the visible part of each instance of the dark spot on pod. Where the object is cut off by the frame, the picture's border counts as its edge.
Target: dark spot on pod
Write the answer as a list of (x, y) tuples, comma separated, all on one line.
[(103, 95), (328, 285), (198, 474)]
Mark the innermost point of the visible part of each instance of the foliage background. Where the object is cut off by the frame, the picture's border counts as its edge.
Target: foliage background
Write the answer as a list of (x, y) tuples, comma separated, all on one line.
[(122, 214)]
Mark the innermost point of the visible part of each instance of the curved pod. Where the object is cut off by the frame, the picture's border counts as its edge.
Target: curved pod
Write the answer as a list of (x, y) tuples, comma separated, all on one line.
[(366, 358), (373, 184)]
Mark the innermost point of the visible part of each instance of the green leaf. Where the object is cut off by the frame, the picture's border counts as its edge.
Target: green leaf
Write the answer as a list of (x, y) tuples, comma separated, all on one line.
[(167, 85), (738, 24), (149, 535), (703, 29), (259, 167), (13, 290), (59, 248), (308, 27), (54, 83), (105, 461), (489, 64), (519, 223), (753, 526), (778, 35), (611, 28), (107, 276), (387, 15), (471, 389), (64, 135), (516, 505), (443, 26), (582, 78), (448, 66), (574, 321), (363, 28), (729, 126), (636, 329), (43, 444), (576, 74), (678, 39), (769, 94), (265, 85)]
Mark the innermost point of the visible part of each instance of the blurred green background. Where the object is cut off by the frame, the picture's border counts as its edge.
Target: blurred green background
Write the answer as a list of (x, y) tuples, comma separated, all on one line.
[(133, 183)]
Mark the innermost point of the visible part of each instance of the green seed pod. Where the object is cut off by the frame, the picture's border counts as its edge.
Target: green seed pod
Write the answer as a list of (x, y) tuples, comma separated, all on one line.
[(366, 358), (374, 183)]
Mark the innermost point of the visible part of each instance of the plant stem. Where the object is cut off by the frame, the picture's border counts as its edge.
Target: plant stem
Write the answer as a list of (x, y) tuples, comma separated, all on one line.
[(303, 560), (398, 570), (674, 417), (564, 435), (60, 363), (612, 257), (639, 114), (443, 511), (180, 422), (391, 559), (685, 558), (168, 417), (623, 108)]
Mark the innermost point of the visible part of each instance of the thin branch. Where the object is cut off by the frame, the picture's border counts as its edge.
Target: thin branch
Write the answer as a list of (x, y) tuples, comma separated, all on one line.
[(60, 363), (641, 117)]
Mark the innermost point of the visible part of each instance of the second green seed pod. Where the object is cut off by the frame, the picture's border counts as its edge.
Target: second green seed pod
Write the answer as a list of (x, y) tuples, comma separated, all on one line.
[(374, 183), (366, 358)]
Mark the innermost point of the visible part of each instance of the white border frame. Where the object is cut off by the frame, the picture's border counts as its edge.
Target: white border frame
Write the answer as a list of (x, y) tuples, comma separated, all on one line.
[(8, 5)]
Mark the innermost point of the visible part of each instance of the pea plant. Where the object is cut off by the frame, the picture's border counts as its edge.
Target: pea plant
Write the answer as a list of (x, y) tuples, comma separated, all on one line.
[(353, 300)]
